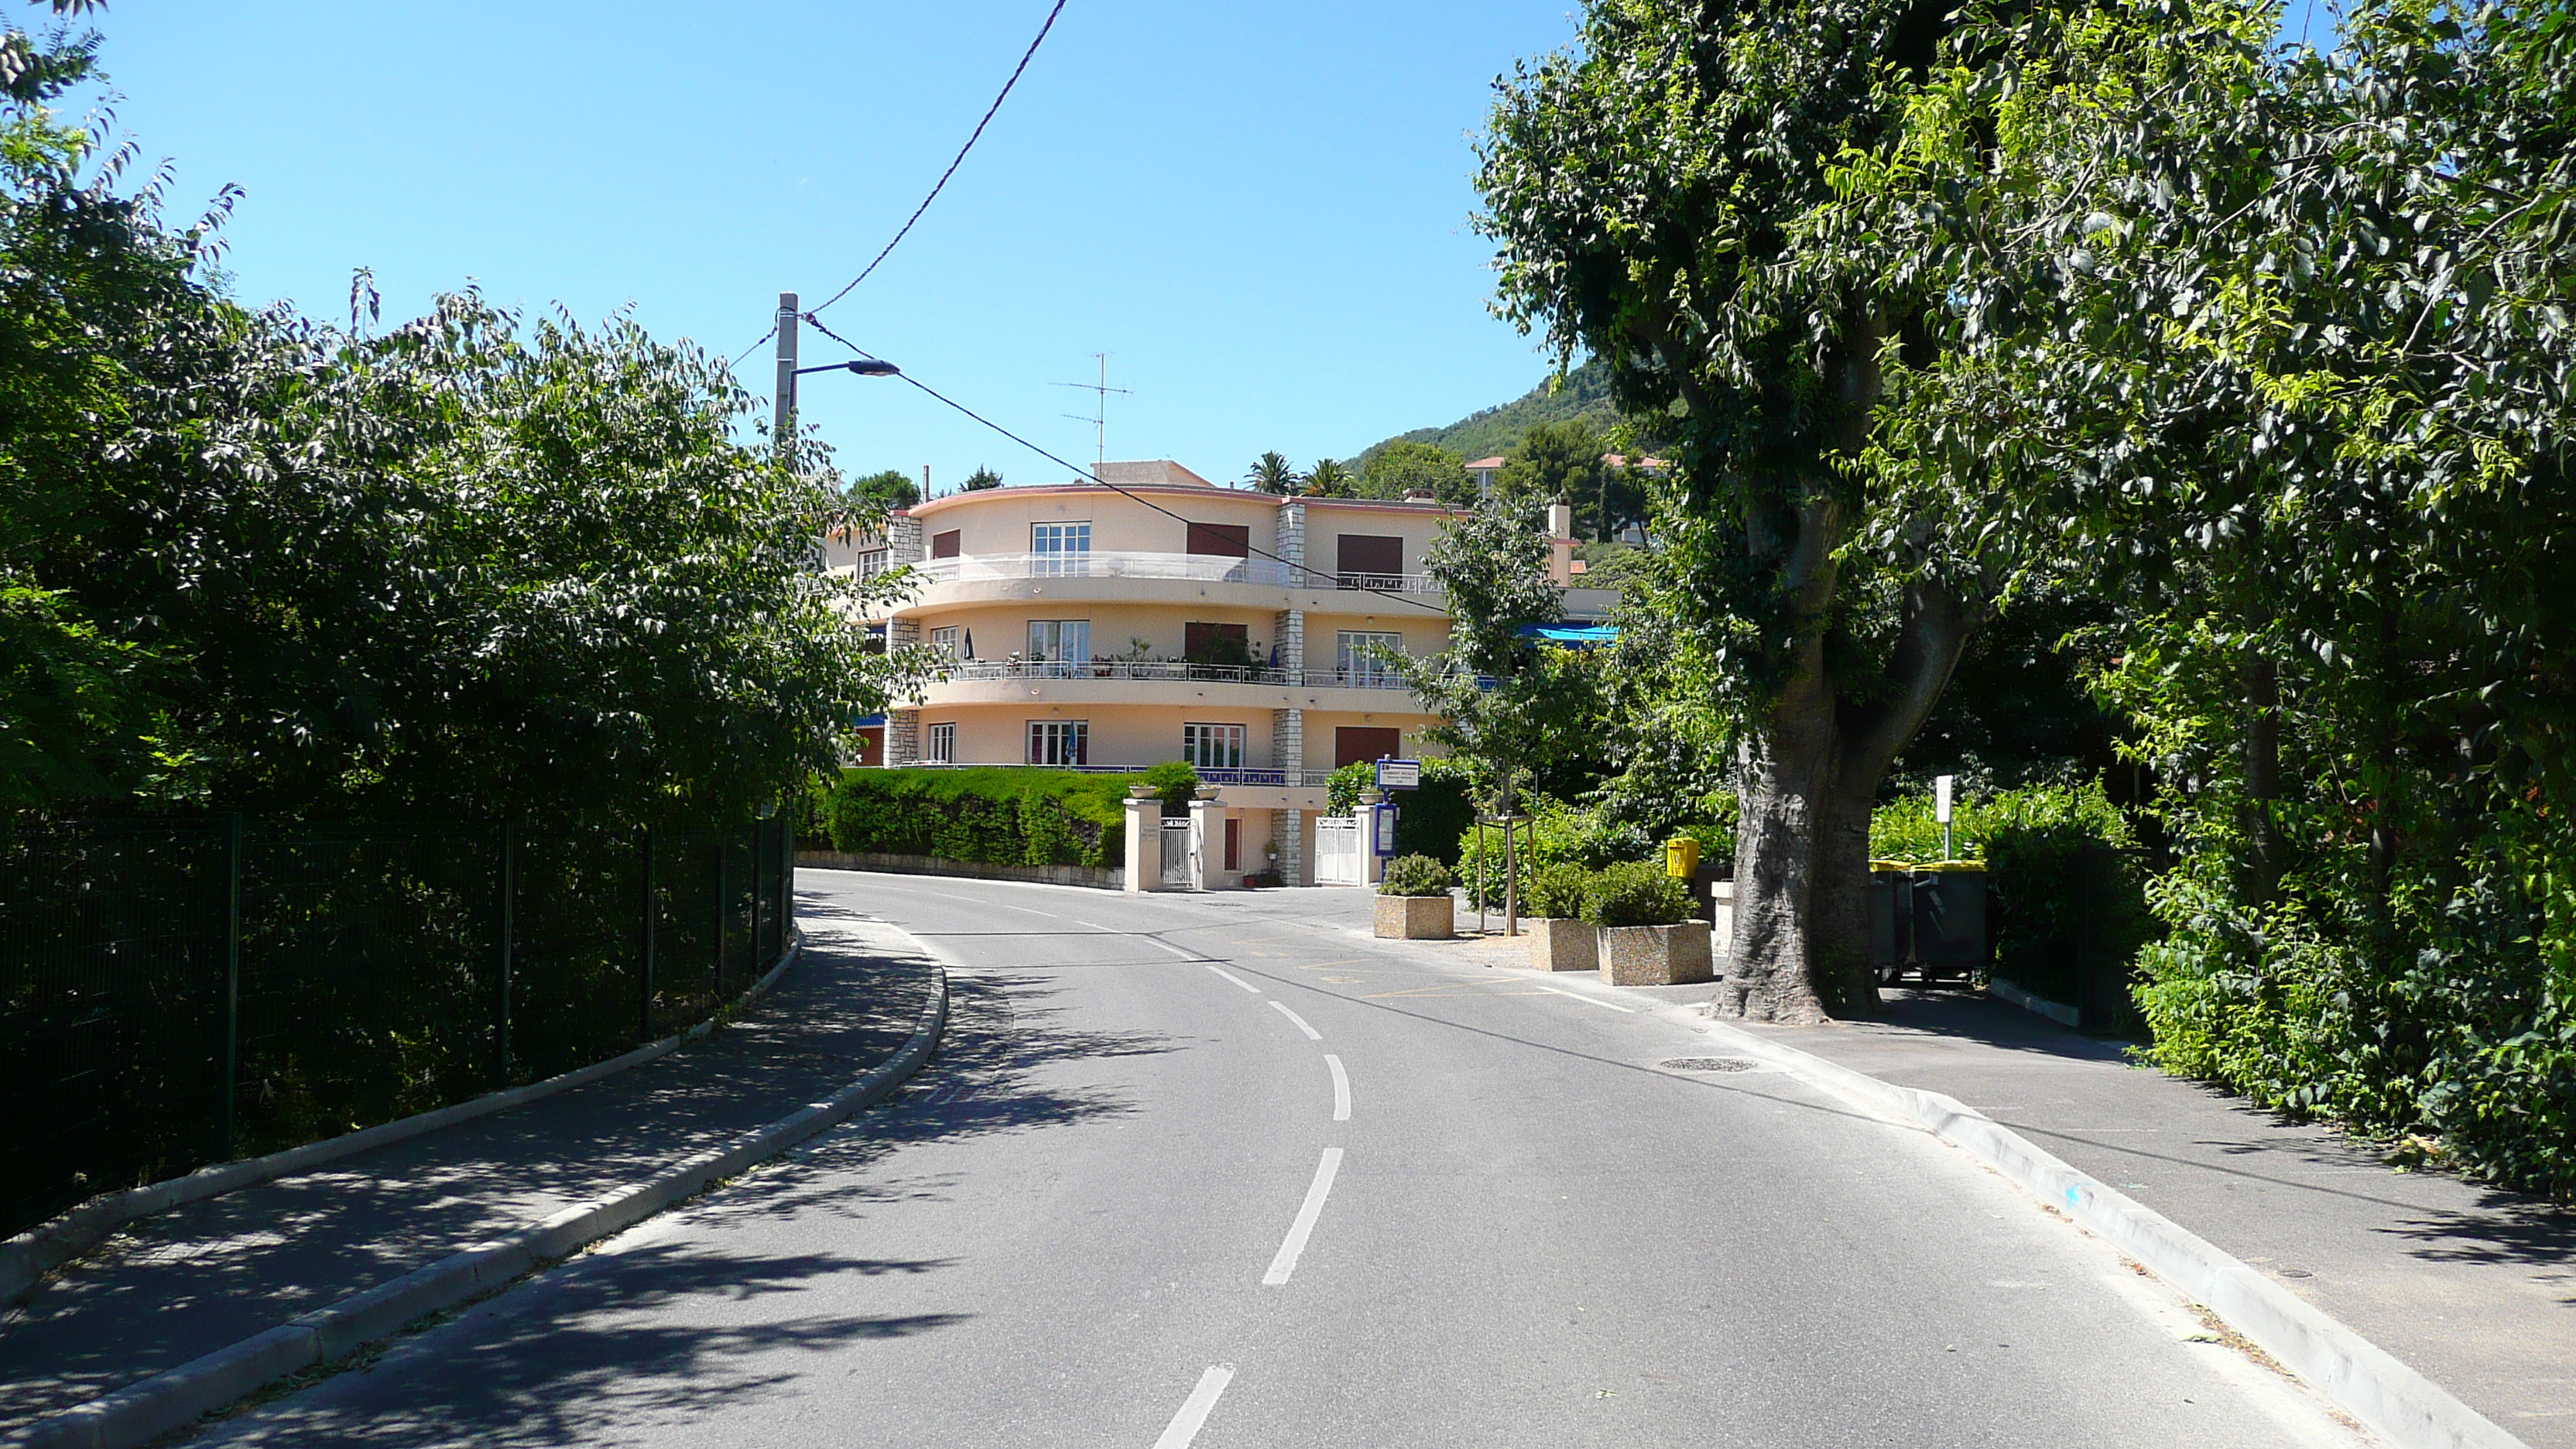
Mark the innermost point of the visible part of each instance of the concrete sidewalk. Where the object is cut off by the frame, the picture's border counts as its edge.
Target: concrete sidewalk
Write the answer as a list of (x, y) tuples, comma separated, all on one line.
[(2472, 1287), (201, 1277)]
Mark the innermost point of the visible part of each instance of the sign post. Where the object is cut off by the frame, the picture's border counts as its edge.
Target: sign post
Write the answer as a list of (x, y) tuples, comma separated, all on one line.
[(1399, 774), (1941, 810)]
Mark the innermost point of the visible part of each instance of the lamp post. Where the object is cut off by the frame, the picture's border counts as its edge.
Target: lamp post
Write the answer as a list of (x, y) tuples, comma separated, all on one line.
[(783, 404)]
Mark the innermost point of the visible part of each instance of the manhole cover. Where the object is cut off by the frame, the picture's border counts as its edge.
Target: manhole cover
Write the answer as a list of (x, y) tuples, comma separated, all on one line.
[(1710, 1064)]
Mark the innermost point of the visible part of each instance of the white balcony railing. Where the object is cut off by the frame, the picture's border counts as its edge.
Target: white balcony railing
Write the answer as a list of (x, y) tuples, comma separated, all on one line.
[(1196, 567), (1297, 779), (1167, 670)]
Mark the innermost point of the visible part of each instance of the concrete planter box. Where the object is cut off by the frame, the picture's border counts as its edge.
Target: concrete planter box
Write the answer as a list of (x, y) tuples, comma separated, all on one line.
[(1655, 955), (1417, 918), (1563, 945)]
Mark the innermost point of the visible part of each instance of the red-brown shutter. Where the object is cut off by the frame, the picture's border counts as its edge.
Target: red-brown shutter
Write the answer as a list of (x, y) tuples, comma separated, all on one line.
[(1224, 540)]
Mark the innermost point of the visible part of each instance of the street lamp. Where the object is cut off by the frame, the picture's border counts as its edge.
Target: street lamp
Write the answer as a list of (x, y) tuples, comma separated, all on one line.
[(784, 404)]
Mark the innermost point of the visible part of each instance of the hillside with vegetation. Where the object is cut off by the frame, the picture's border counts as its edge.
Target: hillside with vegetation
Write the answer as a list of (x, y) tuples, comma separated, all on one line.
[(1584, 396)]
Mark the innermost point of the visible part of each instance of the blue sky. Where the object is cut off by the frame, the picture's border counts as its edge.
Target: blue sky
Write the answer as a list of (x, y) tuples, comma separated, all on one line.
[(1259, 212)]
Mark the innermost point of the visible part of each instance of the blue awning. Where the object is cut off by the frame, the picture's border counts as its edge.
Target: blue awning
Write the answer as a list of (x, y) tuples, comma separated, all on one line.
[(1581, 636)]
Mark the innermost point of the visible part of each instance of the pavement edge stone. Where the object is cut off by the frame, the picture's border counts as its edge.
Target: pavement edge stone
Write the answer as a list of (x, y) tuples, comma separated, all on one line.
[(2394, 1400), (144, 1411)]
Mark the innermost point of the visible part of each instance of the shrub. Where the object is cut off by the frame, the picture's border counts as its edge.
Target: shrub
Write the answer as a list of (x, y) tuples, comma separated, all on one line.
[(1557, 892), (1636, 893), (2067, 893), (1434, 816), (995, 815), (1415, 875), (1177, 781)]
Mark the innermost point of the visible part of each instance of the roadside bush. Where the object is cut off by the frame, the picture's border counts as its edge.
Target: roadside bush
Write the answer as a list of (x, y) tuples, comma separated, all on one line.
[(1177, 781), (2067, 894), (1557, 892), (997, 815), (1415, 875), (1636, 893), (1433, 816), (1567, 835)]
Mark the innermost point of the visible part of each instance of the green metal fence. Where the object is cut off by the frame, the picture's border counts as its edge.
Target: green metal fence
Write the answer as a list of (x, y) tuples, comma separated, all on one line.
[(177, 994)]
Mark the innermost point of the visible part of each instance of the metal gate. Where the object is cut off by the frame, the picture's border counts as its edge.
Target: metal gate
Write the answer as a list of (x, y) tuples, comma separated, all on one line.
[(1337, 851), (1176, 854)]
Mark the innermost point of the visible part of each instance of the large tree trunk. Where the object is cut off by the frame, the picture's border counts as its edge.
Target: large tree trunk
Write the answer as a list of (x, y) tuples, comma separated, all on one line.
[(1801, 945)]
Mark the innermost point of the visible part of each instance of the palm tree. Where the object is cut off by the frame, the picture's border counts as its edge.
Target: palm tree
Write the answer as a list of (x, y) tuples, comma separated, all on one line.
[(1271, 474), (1330, 479)]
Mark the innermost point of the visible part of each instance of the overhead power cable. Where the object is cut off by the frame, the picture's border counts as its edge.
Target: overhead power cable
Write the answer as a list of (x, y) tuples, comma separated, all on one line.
[(936, 187), (1083, 472)]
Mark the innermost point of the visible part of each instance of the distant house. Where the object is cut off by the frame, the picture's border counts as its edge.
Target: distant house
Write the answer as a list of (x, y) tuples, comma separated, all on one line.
[(1086, 629)]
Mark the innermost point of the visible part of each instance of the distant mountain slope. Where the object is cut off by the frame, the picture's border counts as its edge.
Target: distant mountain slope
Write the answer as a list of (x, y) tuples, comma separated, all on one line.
[(1495, 430)]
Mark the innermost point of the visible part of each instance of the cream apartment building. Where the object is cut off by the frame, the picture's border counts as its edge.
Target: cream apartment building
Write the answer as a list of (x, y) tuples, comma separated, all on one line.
[(1089, 628)]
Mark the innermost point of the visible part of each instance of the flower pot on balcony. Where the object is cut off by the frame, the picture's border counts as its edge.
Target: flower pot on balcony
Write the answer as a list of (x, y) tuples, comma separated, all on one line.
[(1655, 955), (1417, 918), (1569, 944)]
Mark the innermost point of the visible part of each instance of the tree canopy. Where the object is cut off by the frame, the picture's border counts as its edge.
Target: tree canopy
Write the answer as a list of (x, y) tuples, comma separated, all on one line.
[(467, 566)]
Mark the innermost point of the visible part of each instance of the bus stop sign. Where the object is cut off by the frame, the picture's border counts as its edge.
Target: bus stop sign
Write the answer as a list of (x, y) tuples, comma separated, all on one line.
[(1399, 774)]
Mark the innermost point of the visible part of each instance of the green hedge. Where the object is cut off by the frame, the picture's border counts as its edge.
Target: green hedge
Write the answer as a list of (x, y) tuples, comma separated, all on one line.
[(1434, 816), (992, 815), (2068, 898)]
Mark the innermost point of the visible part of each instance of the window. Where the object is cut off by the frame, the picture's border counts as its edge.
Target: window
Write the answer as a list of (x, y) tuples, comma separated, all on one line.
[(944, 639), (1354, 743), (1362, 562), (1355, 660), (1213, 746), (944, 545), (943, 744), (1226, 645), (1060, 548), (1059, 741), (871, 562), (1224, 540), (1059, 643)]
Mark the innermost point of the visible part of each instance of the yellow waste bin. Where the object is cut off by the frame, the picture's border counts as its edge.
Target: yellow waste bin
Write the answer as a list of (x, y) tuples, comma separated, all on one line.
[(1681, 857)]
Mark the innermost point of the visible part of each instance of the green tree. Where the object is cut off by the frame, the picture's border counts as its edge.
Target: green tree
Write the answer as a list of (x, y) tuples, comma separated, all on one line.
[(464, 566), (1329, 479), (1561, 463), (1517, 710), (981, 479), (884, 492), (1655, 194), (1402, 467), (2289, 334), (1272, 473)]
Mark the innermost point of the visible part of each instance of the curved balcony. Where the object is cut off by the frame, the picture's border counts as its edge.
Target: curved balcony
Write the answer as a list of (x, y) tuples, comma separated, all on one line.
[(1149, 578), (1165, 681)]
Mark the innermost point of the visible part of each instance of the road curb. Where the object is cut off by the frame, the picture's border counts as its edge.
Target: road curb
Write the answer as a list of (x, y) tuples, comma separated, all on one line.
[(2401, 1405), (26, 1258), (143, 1411)]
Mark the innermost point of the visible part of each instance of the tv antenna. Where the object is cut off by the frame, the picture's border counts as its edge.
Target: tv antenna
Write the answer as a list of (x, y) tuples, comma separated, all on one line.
[(1099, 416)]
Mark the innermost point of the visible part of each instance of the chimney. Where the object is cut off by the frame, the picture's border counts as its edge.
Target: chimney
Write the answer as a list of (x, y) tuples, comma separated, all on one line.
[(1560, 520)]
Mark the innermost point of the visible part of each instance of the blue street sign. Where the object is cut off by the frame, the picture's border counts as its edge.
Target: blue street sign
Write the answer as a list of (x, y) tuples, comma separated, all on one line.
[(1399, 774)]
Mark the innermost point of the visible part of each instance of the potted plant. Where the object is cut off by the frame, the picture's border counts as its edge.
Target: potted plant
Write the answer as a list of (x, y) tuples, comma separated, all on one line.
[(1560, 939), (1647, 935), (1413, 901)]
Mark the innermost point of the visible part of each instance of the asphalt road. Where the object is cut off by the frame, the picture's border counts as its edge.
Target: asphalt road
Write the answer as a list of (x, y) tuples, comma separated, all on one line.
[(1221, 1171)]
